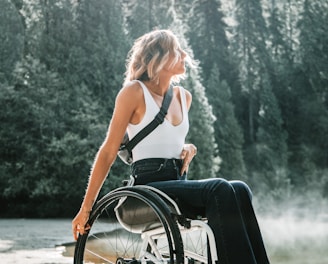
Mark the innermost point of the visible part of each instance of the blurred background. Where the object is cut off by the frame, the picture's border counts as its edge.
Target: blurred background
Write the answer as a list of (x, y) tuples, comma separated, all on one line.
[(259, 113)]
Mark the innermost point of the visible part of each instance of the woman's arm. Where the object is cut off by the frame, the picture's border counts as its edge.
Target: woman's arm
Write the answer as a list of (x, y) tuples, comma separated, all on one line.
[(126, 109), (189, 150)]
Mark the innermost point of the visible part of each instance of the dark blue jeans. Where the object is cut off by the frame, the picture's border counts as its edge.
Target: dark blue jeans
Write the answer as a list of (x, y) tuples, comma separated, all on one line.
[(226, 204)]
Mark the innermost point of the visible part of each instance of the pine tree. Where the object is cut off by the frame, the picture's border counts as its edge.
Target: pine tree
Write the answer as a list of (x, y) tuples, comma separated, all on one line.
[(97, 63), (208, 40), (144, 16), (56, 115), (201, 132), (98, 54), (266, 148), (308, 120), (11, 38), (207, 37), (314, 57), (250, 50), (313, 46), (270, 157), (227, 131)]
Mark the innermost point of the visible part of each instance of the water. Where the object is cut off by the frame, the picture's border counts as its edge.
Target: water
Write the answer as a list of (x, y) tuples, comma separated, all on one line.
[(288, 240), (30, 241)]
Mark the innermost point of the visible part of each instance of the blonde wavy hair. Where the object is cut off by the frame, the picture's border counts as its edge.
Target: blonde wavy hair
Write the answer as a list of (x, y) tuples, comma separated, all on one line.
[(150, 53)]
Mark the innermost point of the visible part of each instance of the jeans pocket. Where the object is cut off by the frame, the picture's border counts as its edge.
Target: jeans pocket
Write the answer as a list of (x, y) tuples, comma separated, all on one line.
[(145, 169)]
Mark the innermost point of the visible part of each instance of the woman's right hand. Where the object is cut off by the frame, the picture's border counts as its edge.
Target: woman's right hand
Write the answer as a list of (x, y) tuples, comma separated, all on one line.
[(80, 223)]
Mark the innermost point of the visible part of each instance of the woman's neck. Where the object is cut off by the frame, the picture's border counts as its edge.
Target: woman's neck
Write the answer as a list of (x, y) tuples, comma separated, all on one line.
[(159, 88)]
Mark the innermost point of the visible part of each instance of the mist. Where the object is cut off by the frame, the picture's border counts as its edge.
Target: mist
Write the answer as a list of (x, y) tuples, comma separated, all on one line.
[(295, 231)]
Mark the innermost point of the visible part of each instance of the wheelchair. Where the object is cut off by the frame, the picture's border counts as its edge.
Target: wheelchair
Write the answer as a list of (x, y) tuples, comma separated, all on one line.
[(142, 225)]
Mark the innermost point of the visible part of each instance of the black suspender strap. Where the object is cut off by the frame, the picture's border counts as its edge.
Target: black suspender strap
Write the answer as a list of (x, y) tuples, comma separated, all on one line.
[(159, 119)]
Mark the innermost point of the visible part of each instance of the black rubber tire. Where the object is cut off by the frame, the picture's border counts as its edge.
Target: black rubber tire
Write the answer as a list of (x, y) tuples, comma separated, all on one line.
[(102, 246)]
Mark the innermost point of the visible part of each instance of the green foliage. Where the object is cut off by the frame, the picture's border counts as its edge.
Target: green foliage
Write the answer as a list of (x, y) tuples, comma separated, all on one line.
[(270, 134), (313, 46), (11, 39), (201, 132), (227, 132), (207, 27), (259, 95), (144, 16), (47, 142)]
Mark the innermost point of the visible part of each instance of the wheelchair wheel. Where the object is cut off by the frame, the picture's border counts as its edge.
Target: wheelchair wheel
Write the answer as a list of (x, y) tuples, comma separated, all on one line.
[(130, 225)]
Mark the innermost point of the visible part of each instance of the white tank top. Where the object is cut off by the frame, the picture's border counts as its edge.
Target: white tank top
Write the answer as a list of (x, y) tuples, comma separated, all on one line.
[(167, 140)]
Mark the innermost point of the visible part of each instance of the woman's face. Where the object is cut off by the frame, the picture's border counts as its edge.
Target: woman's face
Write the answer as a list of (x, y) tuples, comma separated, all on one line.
[(176, 63)]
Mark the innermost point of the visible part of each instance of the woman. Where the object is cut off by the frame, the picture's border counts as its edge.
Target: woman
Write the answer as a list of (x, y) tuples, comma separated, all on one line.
[(162, 158)]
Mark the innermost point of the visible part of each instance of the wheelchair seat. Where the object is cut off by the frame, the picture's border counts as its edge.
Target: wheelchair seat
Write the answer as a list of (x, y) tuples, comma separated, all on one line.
[(135, 215)]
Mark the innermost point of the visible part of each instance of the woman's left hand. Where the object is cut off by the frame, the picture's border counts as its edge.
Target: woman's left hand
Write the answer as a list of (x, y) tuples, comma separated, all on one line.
[(187, 154)]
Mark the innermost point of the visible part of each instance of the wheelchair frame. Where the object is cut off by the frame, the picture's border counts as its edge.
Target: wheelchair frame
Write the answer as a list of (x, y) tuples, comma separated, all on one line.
[(141, 224)]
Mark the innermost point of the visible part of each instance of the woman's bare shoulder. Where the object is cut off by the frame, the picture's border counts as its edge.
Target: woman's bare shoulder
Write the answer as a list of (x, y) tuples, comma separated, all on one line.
[(188, 93), (188, 96), (131, 87), (131, 90)]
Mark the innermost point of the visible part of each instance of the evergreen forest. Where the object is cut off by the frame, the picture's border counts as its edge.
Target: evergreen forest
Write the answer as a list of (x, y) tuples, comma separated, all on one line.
[(260, 96)]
